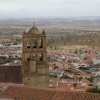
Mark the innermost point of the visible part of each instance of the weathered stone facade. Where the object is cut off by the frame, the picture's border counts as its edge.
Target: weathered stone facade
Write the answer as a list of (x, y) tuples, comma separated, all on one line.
[(10, 74), (34, 63)]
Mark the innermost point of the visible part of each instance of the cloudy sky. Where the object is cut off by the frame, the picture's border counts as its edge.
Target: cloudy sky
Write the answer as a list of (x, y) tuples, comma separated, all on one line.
[(48, 8)]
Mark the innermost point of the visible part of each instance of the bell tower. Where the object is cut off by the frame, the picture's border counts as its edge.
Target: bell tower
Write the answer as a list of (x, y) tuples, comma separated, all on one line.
[(34, 69)]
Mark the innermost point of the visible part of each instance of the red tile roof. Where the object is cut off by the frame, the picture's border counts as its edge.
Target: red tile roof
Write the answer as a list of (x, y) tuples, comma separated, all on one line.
[(26, 93), (65, 86), (63, 62), (87, 61)]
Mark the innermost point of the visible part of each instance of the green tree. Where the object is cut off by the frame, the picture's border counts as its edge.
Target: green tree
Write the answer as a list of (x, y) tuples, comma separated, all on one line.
[(94, 90), (90, 79)]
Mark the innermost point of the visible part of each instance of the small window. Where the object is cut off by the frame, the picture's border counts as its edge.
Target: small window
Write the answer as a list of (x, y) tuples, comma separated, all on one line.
[(40, 57), (28, 45), (33, 55), (41, 46), (35, 43), (28, 78), (98, 79), (34, 46), (41, 43), (28, 59)]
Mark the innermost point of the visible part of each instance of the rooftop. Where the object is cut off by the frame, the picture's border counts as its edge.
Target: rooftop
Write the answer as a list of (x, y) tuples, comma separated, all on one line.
[(34, 30), (27, 93)]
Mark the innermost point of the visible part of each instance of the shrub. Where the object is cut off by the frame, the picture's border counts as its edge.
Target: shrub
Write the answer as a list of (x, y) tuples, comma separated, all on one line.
[(94, 90)]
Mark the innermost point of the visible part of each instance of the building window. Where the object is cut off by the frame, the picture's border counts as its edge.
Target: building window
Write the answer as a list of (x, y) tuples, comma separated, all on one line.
[(40, 57), (35, 43), (41, 43), (28, 45), (28, 59), (33, 55), (98, 80), (28, 78)]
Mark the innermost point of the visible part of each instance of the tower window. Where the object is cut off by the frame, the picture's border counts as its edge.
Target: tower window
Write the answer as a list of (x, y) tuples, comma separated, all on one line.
[(28, 78), (28, 45), (33, 55), (41, 57), (28, 59), (34, 46), (41, 43), (35, 43)]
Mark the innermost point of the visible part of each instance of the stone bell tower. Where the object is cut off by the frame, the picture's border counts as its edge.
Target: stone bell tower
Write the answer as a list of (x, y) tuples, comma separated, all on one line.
[(34, 69)]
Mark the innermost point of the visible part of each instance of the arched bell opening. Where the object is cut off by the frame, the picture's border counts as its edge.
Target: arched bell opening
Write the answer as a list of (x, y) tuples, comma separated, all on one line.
[(41, 43), (40, 57), (28, 45), (35, 43)]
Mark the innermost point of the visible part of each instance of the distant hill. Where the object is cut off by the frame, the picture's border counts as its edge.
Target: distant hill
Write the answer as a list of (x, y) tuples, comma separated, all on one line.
[(51, 25), (53, 21)]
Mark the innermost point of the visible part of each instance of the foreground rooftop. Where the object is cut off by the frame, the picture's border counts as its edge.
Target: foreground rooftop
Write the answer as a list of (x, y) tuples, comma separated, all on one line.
[(21, 92)]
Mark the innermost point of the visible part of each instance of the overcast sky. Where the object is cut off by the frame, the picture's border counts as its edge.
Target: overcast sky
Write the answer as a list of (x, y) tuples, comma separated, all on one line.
[(48, 8)]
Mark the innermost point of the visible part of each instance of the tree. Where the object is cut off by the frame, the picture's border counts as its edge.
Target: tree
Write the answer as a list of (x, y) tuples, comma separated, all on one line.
[(90, 79), (65, 77), (87, 57), (94, 90), (74, 85), (80, 78)]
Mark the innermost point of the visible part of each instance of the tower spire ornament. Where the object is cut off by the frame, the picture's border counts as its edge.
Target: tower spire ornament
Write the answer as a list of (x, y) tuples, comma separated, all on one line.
[(34, 24)]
